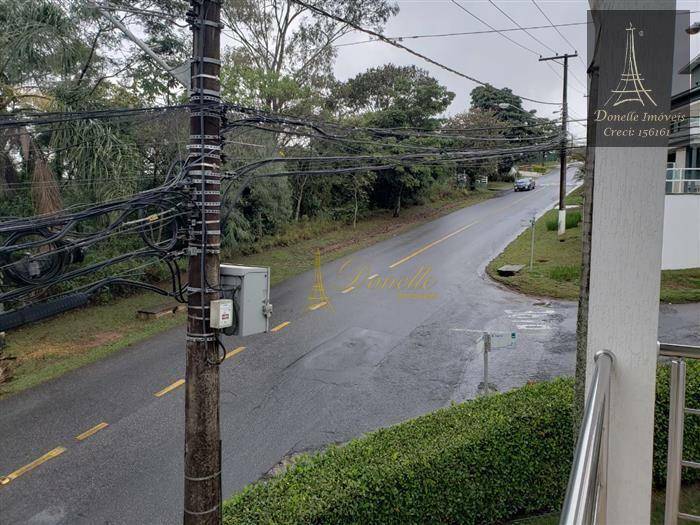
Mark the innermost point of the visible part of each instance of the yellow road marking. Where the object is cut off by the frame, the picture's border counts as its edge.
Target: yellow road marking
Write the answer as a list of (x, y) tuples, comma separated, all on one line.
[(170, 388), (280, 326), (372, 276), (460, 230), (34, 464), (91, 431), (234, 352), (348, 289), (319, 305), (409, 295), (434, 243)]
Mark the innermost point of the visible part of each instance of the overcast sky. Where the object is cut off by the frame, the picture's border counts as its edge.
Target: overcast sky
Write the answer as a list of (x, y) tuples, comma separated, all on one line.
[(489, 57)]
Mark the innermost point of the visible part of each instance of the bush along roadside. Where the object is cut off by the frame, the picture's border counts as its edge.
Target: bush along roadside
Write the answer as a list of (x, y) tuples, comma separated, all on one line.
[(483, 461), (480, 461)]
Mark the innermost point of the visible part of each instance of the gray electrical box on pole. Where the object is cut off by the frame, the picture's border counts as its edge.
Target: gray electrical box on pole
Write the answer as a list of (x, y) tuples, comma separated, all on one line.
[(249, 287)]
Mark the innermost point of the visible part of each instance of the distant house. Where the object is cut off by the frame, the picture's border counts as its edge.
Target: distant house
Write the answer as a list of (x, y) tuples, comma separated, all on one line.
[(681, 247)]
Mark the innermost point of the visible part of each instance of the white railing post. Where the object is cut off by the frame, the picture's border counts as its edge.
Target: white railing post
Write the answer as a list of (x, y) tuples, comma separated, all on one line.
[(675, 439)]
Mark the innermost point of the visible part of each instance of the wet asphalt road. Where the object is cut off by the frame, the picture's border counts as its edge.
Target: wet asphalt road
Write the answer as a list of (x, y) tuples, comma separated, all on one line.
[(370, 359)]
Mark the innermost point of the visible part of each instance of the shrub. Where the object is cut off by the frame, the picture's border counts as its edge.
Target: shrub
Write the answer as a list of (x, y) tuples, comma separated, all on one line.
[(572, 220), (483, 461)]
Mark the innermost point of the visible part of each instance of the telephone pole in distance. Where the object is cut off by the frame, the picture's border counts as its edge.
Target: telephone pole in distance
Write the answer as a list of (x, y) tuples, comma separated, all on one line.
[(562, 141)]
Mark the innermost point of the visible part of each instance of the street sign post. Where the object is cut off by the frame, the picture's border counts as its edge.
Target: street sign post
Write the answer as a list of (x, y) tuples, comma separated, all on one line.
[(489, 341), (502, 339)]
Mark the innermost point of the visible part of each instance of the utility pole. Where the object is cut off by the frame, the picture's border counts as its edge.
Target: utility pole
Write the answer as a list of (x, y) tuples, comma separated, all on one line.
[(562, 141), (202, 498)]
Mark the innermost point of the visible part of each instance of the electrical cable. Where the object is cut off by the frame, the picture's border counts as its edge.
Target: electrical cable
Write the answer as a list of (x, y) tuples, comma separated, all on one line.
[(522, 46), (80, 115), (398, 132), (556, 28), (522, 28), (350, 23), (459, 33)]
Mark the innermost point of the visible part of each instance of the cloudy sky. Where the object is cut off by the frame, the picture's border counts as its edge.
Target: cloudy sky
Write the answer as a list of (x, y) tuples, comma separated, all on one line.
[(489, 57)]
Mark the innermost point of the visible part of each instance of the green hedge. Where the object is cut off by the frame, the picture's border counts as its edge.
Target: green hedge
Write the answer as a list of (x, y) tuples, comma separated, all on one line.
[(484, 461)]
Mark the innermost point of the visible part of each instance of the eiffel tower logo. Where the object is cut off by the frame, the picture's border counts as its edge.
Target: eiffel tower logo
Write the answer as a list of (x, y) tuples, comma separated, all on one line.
[(318, 297), (630, 87)]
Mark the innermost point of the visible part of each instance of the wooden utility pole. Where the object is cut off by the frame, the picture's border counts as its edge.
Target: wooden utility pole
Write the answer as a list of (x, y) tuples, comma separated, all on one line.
[(202, 502), (587, 222), (562, 141)]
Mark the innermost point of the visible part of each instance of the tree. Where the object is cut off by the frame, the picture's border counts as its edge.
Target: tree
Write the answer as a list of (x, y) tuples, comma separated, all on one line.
[(487, 133), (488, 98), (37, 45), (62, 56), (397, 96), (508, 109), (283, 49), (282, 61), (393, 96)]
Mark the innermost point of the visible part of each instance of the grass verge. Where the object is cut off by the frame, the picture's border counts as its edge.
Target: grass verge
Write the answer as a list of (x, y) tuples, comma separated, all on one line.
[(46, 350), (556, 269), (292, 252), (53, 347)]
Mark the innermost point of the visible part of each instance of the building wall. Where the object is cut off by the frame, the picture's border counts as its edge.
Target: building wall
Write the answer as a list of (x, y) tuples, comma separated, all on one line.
[(681, 244)]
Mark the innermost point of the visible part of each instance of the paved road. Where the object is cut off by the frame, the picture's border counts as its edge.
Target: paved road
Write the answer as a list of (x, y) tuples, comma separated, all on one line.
[(372, 358)]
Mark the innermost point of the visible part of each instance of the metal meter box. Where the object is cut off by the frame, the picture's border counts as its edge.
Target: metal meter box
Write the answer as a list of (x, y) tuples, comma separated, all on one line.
[(249, 287), (221, 314)]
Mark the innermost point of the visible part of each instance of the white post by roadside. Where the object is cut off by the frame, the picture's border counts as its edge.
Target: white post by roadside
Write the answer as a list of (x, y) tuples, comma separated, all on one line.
[(532, 242)]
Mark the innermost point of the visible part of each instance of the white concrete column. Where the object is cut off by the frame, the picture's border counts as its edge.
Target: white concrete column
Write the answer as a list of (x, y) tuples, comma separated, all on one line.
[(623, 315), (627, 228), (680, 157)]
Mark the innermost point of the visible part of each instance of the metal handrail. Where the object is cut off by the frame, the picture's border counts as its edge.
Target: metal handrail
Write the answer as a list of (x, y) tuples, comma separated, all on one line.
[(687, 351), (677, 411), (582, 495)]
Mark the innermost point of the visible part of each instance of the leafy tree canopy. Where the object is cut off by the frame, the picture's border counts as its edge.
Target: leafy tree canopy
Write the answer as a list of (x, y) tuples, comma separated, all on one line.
[(291, 47), (394, 96)]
